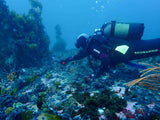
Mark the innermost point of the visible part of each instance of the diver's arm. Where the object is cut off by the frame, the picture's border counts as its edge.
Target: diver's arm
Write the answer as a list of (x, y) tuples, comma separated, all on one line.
[(82, 54)]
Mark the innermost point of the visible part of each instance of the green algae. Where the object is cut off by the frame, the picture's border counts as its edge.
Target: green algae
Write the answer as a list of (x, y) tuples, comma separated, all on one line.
[(9, 110), (41, 100), (48, 116), (105, 99), (27, 115), (48, 75), (32, 78)]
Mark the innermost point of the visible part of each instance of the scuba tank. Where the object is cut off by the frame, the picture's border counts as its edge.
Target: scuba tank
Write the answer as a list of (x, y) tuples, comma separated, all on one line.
[(126, 31)]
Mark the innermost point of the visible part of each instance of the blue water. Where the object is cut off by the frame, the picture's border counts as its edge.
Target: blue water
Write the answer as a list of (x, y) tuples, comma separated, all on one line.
[(78, 16)]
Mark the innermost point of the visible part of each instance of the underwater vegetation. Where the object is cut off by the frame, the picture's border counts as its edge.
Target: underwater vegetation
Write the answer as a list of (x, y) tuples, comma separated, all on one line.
[(32, 78), (41, 100), (60, 44), (149, 79), (48, 94), (11, 77), (24, 43), (106, 100), (47, 116), (48, 75)]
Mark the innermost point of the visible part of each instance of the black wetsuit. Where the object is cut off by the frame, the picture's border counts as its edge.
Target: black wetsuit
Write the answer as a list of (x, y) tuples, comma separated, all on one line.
[(104, 49)]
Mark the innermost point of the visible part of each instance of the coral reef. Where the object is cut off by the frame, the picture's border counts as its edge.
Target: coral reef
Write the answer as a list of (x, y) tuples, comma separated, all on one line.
[(69, 92), (24, 43)]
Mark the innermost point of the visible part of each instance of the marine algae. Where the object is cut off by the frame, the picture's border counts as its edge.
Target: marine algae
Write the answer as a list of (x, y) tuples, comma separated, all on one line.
[(106, 99)]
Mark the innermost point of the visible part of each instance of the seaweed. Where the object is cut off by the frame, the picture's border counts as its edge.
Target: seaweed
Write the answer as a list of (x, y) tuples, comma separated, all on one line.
[(22, 37), (32, 78), (26, 115), (47, 116), (106, 99), (8, 110), (41, 100)]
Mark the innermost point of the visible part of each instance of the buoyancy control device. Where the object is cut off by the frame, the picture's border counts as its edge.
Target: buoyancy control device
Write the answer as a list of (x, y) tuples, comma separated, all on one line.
[(126, 31)]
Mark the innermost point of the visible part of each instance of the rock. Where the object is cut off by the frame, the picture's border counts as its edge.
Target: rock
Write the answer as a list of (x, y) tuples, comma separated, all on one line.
[(7, 100)]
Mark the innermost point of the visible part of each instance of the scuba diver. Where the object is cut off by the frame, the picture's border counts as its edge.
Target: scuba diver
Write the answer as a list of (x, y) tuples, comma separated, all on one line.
[(114, 43)]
